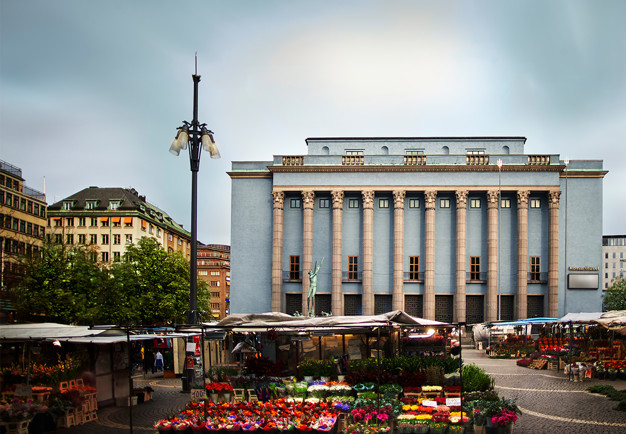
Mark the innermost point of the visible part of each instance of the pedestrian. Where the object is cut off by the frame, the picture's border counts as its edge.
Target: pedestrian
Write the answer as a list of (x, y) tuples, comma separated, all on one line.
[(158, 361), (148, 362)]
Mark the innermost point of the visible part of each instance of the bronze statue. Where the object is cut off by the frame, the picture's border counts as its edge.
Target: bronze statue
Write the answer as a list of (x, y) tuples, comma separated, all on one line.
[(313, 288)]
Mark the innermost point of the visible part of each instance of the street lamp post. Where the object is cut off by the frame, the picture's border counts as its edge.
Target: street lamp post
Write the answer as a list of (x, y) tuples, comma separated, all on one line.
[(565, 246), (499, 261), (196, 137)]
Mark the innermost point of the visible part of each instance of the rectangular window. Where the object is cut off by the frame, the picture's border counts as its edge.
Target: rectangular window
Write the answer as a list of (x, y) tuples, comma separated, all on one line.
[(129, 239), (105, 256), (9, 199), (294, 268), (606, 255), (69, 238), (94, 221), (105, 239), (215, 273), (294, 203), (23, 230), (383, 203), (128, 222), (444, 203), (475, 268), (505, 203), (474, 203), (116, 256), (354, 152), (117, 239), (82, 239), (23, 204), (69, 221), (57, 222), (67, 206), (104, 221), (36, 209), (353, 203), (114, 205), (414, 203), (324, 203), (58, 238), (535, 268), (353, 267), (29, 207), (117, 222), (91, 204), (82, 221), (169, 237), (93, 239), (535, 203), (414, 267)]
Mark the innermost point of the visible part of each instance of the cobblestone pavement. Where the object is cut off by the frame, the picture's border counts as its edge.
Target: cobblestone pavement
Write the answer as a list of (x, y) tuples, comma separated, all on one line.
[(550, 403)]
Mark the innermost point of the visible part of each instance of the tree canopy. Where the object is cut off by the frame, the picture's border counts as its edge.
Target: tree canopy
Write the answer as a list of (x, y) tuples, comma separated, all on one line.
[(149, 286), (615, 295)]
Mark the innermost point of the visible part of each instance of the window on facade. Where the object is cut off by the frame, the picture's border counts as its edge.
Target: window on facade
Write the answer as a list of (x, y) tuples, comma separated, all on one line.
[(114, 205), (169, 237), (294, 268), (475, 268), (67, 206), (105, 256), (535, 203), (58, 238), (324, 203), (294, 203), (129, 239), (29, 206), (82, 221), (414, 203), (474, 203), (354, 151), (93, 239), (23, 204), (535, 268), (116, 256), (383, 203), (36, 209), (69, 221), (475, 151), (57, 222), (505, 203), (414, 267), (9, 199), (444, 203), (104, 222), (82, 239), (414, 152), (69, 238), (215, 273), (105, 238), (180, 241), (353, 203), (94, 221), (91, 204), (117, 239), (353, 267)]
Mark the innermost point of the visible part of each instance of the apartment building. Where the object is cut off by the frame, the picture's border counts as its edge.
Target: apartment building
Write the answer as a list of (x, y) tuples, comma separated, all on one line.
[(614, 258), (214, 268)]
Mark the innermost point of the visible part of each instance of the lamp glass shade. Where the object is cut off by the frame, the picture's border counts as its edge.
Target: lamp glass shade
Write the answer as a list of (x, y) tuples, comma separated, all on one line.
[(175, 148), (183, 139), (208, 145)]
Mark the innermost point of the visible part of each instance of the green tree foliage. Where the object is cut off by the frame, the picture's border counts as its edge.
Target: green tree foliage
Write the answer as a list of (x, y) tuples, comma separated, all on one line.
[(615, 295), (150, 286)]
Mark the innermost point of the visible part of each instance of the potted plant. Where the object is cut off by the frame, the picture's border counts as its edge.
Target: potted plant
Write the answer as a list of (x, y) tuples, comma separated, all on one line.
[(612, 374), (307, 369)]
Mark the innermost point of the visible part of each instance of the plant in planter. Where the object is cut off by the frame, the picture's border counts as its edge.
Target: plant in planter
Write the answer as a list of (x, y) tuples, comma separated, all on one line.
[(390, 390), (307, 368)]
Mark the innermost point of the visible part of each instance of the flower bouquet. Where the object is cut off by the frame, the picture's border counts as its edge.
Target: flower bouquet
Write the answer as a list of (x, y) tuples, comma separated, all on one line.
[(18, 410), (504, 417), (438, 427)]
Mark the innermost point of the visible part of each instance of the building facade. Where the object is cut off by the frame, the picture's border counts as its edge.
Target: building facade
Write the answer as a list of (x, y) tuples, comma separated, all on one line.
[(22, 228), (452, 229), (614, 254), (214, 269), (111, 218)]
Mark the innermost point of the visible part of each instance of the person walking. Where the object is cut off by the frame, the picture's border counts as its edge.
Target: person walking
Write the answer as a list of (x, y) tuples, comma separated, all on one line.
[(158, 361), (148, 362)]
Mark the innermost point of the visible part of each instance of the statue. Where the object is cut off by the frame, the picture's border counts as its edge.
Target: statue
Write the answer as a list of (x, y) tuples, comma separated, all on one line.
[(313, 288)]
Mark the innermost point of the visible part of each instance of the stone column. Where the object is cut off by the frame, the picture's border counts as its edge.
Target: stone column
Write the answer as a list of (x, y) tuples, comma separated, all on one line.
[(337, 296), (308, 198), (553, 256), (368, 252), (398, 250), (430, 199), (492, 255), (461, 256), (277, 251), (522, 254)]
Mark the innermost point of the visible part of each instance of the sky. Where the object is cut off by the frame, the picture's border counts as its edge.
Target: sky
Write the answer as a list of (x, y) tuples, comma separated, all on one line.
[(91, 93)]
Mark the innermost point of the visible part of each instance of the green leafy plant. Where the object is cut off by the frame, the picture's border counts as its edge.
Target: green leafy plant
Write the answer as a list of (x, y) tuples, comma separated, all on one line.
[(476, 379)]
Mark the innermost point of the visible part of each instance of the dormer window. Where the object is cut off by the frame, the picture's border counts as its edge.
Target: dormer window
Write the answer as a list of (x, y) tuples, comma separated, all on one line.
[(114, 204), (91, 204), (67, 205)]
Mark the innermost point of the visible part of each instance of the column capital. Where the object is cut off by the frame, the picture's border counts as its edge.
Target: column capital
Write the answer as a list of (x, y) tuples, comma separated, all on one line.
[(492, 198), (554, 199), (430, 198), (308, 198), (398, 198), (337, 198), (522, 198), (368, 199), (279, 199), (461, 198)]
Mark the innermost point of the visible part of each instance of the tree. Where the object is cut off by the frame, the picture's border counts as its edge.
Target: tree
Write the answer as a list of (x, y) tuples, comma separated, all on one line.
[(615, 296), (150, 286)]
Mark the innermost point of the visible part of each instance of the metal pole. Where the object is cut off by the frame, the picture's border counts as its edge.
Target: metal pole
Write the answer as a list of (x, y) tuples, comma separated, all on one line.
[(194, 160), (499, 261), (565, 247), (130, 381)]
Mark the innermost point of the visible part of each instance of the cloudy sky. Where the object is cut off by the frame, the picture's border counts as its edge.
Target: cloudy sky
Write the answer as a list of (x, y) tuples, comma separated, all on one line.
[(91, 92)]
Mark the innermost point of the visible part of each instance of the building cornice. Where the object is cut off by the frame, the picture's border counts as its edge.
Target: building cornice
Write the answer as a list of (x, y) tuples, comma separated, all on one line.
[(249, 174), (416, 168), (582, 173)]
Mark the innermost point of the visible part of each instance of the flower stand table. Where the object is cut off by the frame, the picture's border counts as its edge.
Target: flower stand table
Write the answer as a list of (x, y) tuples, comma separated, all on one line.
[(17, 427)]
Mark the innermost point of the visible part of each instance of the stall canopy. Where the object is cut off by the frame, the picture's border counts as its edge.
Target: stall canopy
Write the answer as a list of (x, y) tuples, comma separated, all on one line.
[(526, 321), (278, 320), (76, 334), (614, 320), (581, 317)]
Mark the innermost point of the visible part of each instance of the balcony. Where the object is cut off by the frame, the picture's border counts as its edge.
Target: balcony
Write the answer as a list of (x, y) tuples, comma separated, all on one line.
[(477, 160), (352, 160), (414, 160)]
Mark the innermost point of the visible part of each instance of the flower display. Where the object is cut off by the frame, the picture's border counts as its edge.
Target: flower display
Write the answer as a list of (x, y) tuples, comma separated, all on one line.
[(504, 417), (18, 410), (218, 387)]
